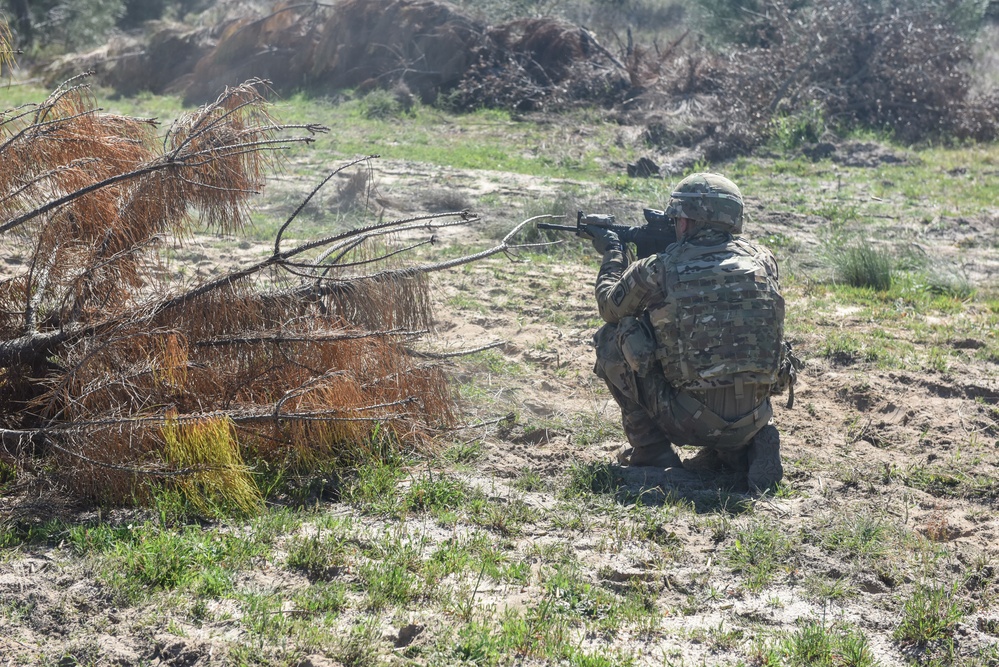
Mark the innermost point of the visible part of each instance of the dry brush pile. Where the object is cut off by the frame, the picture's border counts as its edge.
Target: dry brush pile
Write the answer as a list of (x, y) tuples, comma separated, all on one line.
[(900, 66), (869, 64), (808, 67), (116, 378)]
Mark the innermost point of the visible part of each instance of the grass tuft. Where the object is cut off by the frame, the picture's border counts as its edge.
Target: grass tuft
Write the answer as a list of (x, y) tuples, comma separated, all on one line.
[(220, 483), (932, 613), (436, 495), (864, 265), (758, 552), (323, 555), (590, 478)]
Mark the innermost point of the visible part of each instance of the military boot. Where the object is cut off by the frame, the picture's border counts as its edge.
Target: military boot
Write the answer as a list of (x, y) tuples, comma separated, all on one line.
[(706, 458), (765, 468), (659, 455)]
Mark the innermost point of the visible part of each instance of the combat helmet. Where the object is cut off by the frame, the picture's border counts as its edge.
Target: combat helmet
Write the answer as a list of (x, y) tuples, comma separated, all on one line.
[(709, 199)]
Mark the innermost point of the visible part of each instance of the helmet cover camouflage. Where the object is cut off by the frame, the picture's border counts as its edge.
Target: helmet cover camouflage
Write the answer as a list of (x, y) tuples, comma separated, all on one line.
[(708, 198)]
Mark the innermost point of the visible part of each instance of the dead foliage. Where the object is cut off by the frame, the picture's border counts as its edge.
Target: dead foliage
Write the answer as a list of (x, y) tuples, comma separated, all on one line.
[(857, 63), (117, 379), (868, 65), (540, 64), (897, 67)]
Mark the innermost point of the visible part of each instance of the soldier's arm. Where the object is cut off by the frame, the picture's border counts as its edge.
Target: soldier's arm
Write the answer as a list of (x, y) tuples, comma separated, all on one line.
[(624, 290)]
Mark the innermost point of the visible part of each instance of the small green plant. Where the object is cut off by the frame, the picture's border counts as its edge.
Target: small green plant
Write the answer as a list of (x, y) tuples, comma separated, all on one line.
[(322, 555), (381, 105), (529, 480), (859, 536), (164, 559), (932, 613), (428, 494), (816, 644), (758, 552), (587, 478), (950, 284), (803, 126), (388, 583), (360, 647), (463, 452), (322, 598), (505, 516), (822, 588), (376, 487), (8, 473)]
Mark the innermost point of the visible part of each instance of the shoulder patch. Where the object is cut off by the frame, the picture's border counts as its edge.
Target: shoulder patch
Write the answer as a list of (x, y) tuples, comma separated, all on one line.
[(621, 291)]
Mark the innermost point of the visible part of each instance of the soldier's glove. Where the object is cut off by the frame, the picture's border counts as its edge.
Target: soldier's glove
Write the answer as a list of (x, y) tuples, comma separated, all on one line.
[(603, 239)]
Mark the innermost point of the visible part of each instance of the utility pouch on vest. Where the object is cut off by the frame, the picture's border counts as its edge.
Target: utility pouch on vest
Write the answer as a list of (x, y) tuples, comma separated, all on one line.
[(787, 376), (637, 345)]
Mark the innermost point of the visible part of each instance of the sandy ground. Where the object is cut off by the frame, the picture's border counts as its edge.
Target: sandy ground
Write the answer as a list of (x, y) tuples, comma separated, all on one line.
[(852, 445)]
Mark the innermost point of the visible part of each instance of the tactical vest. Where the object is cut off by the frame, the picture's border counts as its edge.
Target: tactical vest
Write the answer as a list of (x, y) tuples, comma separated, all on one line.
[(722, 321)]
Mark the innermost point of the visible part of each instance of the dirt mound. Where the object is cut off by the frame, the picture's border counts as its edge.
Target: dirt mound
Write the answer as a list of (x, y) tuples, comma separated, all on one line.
[(428, 46), (425, 44), (836, 65), (274, 47), (160, 61)]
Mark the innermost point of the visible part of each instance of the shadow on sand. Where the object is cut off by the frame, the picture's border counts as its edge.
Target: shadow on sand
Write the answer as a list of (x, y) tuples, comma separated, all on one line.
[(705, 491)]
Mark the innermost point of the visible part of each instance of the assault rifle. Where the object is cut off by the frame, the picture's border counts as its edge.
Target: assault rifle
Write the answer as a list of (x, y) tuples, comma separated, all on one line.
[(650, 239)]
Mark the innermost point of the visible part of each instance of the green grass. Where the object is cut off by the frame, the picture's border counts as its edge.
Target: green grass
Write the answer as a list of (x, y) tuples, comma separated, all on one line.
[(551, 563), (535, 634), (952, 482), (860, 537), (816, 644), (324, 554), (759, 552), (444, 493), (481, 140), (865, 266), (930, 614), (590, 478), (529, 480), (155, 559), (375, 488)]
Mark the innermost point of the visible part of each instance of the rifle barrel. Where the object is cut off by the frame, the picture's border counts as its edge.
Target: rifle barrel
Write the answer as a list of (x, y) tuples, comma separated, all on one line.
[(561, 228)]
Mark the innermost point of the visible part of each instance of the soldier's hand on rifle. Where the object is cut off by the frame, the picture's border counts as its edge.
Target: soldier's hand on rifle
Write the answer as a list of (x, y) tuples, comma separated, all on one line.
[(585, 221), (603, 238)]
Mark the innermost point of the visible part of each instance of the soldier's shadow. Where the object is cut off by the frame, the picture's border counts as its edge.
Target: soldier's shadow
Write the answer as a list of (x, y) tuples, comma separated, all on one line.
[(704, 490)]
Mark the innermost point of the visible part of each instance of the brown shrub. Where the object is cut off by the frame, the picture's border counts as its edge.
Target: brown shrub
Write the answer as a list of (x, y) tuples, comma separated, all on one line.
[(866, 65), (849, 63), (535, 64)]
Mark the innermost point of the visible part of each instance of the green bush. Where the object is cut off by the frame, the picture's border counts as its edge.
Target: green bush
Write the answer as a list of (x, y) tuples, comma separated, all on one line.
[(863, 265), (804, 126), (381, 105)]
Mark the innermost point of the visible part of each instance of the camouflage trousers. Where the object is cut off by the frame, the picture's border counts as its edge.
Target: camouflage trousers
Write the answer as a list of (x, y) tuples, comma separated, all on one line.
[(653, 412)]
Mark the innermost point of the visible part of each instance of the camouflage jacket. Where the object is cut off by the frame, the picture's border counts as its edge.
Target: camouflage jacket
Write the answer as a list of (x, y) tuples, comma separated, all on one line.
[(737, 339), (624, 290)]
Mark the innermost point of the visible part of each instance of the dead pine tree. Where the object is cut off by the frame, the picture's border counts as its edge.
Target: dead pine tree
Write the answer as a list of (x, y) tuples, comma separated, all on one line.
[(116, 381)]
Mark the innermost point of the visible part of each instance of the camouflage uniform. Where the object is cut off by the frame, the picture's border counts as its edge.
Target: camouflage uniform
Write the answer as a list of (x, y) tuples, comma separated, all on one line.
[(693, 345)]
